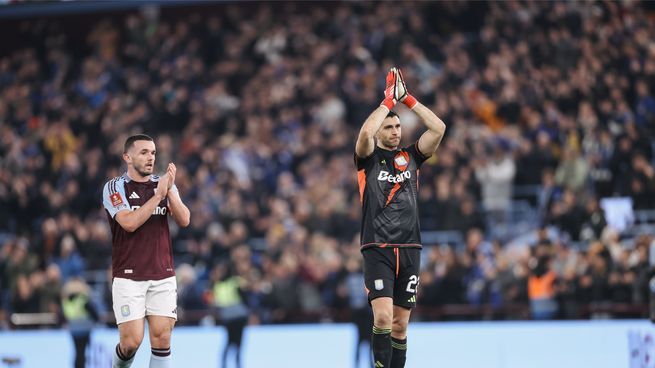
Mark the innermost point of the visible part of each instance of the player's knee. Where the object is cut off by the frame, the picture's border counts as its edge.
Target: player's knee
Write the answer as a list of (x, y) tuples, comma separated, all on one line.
[(399, 326), (161, 338), (130, 345), (383, 317)]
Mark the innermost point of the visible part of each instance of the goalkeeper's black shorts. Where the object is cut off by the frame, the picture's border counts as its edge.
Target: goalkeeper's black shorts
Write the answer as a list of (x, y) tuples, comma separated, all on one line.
[(392, 272)]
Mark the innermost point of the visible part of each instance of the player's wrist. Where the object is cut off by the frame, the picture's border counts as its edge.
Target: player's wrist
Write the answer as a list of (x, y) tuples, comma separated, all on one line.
[(388, 103), (410, 101), (161, 196)]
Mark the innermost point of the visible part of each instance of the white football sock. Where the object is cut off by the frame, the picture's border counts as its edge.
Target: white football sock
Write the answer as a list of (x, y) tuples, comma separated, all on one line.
[(118, 362), (161, 358)]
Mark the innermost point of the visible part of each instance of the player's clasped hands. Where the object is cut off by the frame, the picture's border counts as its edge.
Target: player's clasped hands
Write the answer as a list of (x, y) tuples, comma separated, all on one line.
[(162, 186), (396, 90), (171, 171), (166, 181), (389, 89)]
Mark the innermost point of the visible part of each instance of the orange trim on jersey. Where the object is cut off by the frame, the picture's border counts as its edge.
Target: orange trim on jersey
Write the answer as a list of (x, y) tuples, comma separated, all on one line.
[(395, 250), (383, 245), (392, 193), (418, 172), (361, 180), (367, 290)]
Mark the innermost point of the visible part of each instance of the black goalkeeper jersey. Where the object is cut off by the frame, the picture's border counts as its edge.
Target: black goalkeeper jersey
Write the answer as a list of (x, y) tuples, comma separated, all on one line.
[(388, 188)]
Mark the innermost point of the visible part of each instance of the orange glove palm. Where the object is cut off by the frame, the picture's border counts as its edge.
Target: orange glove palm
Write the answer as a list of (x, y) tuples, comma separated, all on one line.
[(389, 90)]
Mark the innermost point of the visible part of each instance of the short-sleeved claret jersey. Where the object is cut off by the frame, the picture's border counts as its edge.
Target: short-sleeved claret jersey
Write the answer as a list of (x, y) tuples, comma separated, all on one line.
[(145, 254), (388, 189)]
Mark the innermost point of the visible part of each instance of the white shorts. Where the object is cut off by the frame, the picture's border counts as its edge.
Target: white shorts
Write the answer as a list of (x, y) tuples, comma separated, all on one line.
[(137, 299)]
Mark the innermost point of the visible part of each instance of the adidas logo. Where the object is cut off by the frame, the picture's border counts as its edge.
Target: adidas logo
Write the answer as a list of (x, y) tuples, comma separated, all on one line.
[(412, 299), (378, 364), (134, 196)]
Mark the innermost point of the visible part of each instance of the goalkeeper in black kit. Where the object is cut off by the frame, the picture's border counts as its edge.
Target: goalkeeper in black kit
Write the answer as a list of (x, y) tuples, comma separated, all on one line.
[(390, 234)]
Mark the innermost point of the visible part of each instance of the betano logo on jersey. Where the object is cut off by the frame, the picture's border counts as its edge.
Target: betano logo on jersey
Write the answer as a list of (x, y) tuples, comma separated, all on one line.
[(399, 178), (157, 211)]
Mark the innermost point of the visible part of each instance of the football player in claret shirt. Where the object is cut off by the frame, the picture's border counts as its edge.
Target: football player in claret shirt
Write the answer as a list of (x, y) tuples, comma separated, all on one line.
[(390, 234), (143, 285)]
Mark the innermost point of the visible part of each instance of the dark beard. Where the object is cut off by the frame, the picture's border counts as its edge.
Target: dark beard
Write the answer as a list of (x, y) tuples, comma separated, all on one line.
[(141, 172), (388, 146)]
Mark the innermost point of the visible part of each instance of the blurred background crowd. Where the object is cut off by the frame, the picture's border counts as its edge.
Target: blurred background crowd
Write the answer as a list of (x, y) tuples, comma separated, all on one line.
[(549, 108)]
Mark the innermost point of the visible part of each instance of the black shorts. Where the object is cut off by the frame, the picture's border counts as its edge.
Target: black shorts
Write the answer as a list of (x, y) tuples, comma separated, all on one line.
[(392, 272)]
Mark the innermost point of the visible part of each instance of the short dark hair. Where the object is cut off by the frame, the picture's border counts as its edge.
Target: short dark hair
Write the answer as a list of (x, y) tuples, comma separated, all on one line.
[(137, 137), (392, 114)]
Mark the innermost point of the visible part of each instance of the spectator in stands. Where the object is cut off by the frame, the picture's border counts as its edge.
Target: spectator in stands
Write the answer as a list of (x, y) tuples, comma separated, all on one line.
[(594, 220), (70, 262), (467, 217), (189, 290), (572, 172), (641, 270), (541, 285), (49, 289), (566, 288), (642, 183), (621, 279), (19, 266), (24, 298), (512, 278), (495, 177), (450, 278), (568, 215)]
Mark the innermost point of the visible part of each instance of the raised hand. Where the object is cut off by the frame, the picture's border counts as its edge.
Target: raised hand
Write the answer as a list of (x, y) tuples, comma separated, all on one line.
[(171, 174), (389, 90), (401, 93), (162, 187)]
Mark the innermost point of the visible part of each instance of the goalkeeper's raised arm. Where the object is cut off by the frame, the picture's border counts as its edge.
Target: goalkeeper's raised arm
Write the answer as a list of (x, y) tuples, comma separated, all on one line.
[(429, 141), (366, 139)]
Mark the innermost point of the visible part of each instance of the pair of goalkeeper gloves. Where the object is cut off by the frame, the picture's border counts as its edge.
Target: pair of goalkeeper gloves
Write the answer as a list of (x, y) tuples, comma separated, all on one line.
[(396, 90)]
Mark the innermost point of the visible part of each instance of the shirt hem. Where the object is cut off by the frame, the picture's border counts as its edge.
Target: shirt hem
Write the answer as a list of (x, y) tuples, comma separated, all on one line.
[(145, 278), (389, 245)]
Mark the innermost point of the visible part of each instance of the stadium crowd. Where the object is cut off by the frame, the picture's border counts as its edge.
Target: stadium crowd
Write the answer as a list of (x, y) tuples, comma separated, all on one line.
[(259, 106)]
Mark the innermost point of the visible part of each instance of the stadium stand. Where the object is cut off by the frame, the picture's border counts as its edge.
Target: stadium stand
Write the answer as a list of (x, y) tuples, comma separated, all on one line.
[(540, 202)]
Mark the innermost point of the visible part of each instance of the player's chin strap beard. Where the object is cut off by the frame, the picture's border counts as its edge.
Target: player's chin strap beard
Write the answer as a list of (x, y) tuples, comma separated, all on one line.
[(386, 144), (389, 146), (141, 172)]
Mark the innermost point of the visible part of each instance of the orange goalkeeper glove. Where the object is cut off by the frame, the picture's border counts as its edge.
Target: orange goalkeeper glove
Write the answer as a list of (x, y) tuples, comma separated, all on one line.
[(389, 91)]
